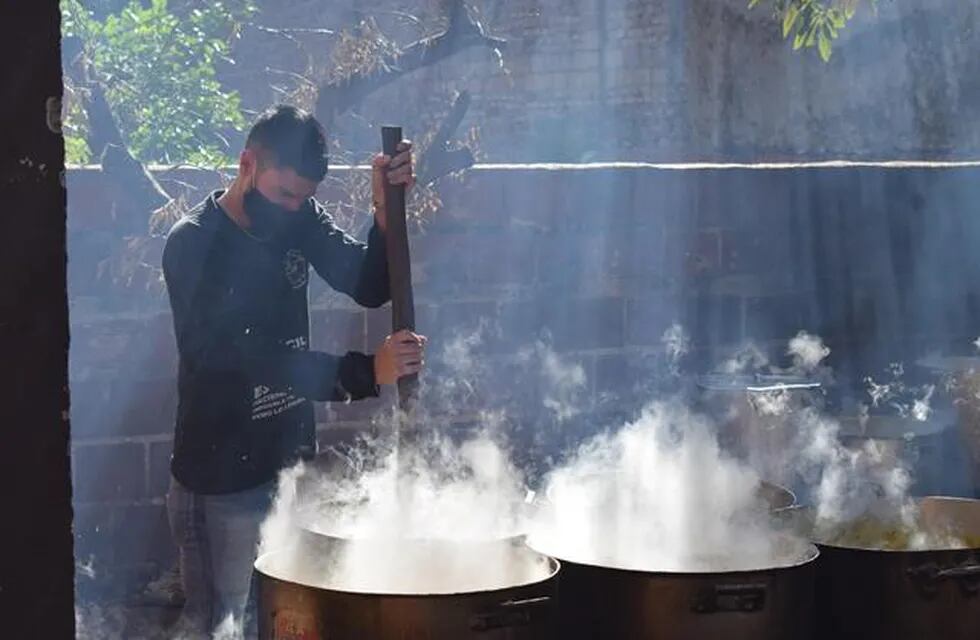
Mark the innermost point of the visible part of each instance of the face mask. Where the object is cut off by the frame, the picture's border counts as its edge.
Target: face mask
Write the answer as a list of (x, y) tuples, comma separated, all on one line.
[(267, 217)]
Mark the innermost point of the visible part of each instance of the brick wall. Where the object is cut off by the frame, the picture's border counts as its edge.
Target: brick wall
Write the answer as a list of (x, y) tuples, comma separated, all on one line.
[(669, 80), (597, 262)]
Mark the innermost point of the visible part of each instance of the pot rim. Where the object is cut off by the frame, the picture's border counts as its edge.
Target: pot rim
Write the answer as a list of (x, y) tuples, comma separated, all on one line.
[(813, 552), (881, 550), (554, 568), (306, 522)]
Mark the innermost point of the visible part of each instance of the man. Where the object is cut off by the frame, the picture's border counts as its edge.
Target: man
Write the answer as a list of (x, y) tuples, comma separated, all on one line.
[(236, 269)]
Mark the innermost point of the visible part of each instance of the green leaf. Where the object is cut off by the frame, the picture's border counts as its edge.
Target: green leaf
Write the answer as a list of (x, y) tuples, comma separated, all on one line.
[(160, 78), (824, 46), (789, 19)]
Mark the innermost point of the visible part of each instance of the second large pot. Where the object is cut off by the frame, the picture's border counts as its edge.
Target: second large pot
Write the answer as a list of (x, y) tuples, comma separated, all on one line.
[(769, 603)]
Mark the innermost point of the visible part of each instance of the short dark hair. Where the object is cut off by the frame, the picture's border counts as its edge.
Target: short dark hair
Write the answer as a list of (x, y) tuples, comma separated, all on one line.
[(289, 137)]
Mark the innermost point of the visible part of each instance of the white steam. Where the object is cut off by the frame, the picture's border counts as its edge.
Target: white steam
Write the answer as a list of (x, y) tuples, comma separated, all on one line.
[(921, 408), (808, 351), (676, 345), (121, 622), (562, 383), (904, 399), (433, 529), (658, 495), (847, 482), (748, 359)]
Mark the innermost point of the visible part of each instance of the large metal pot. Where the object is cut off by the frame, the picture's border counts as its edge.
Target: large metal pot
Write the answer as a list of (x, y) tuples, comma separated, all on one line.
[(606, 593), (917, 445), (769, 603), (300, 600), (868, 593), (960, 377), (754, 416)]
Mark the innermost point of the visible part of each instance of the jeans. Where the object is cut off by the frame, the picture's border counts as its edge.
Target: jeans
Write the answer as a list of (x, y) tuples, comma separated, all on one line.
[(217, 538)]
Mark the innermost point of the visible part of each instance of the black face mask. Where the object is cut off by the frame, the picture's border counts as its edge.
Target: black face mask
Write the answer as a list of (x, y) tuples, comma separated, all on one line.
[(268, 218)]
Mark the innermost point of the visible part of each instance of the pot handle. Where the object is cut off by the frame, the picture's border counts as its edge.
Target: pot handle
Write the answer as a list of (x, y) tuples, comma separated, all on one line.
[(512, 613), (743, 598), (968, 574)]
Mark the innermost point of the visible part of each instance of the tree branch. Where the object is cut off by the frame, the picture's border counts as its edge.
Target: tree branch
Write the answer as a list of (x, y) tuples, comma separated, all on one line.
[(463, 32), (125, 172), (439, 160)]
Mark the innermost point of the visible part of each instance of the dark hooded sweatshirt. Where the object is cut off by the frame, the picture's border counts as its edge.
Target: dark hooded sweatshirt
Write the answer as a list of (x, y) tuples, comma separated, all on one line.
[(246, 376)]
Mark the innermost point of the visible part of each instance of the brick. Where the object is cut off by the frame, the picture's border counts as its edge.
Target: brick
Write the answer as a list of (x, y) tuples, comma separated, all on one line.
[(776, 317), (143, 536), (613, 374), (571, 324), (108, 472), (713, 320), (440, 255), (574, 259), (160, 344), (648, 318), (89, 399), (533, 198), (596, 200), (661, 194), (478, 199), (716, 202), (159, 471), (92, 526), (138, 406), (337, 330), (503, 258), (110, 344), (100, 344)]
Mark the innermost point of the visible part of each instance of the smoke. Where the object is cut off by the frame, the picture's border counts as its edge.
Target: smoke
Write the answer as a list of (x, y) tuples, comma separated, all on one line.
[(658, 494)]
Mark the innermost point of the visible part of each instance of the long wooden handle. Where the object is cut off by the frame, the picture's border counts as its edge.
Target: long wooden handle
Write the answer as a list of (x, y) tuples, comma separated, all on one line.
[(399, 262)]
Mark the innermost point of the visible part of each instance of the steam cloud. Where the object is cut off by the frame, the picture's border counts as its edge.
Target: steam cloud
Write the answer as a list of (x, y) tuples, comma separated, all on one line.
[(659, 494)]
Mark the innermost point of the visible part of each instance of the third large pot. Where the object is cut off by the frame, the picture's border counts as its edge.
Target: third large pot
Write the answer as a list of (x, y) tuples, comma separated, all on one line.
[(866, 591)]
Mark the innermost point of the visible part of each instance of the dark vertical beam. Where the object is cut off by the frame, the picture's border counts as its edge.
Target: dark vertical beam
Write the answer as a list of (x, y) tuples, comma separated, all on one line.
[(36, 571), (399, 261)]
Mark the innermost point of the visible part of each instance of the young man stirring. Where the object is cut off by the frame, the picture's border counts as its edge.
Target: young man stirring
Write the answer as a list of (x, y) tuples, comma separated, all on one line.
[(237, 270)]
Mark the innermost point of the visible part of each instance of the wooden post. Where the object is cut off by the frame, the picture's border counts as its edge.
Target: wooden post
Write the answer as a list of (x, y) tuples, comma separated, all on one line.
[(400, 284)]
